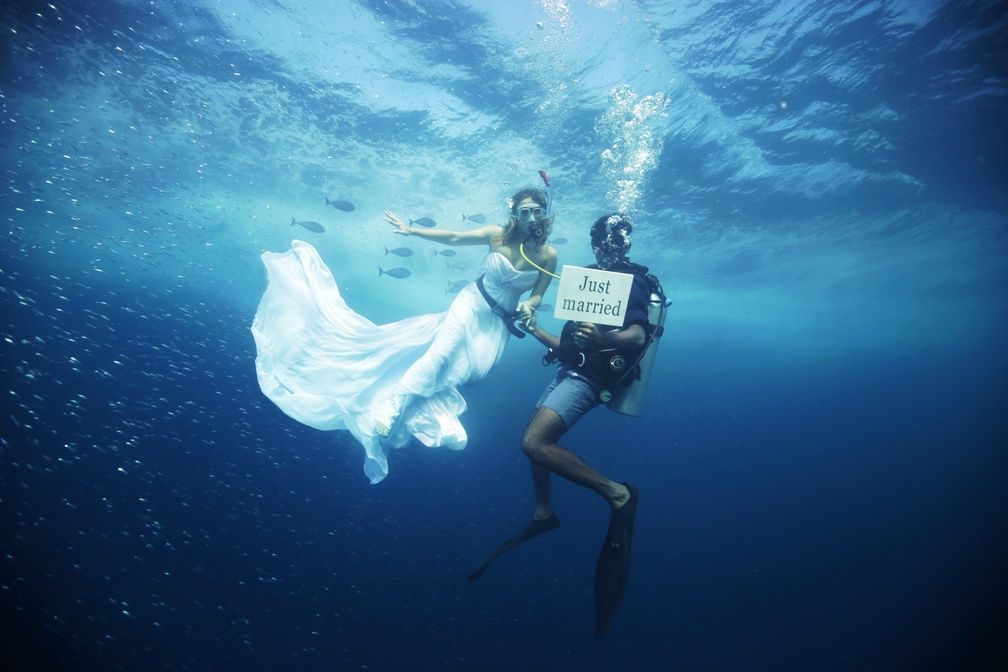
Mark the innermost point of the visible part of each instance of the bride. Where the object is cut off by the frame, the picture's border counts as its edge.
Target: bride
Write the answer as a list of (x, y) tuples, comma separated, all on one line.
[(328, 367)]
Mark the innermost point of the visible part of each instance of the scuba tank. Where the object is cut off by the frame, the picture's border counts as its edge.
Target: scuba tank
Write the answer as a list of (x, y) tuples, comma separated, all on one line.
[(627, 400)]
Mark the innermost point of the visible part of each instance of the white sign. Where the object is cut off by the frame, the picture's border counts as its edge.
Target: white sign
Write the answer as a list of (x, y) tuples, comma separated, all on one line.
[(591, 295)]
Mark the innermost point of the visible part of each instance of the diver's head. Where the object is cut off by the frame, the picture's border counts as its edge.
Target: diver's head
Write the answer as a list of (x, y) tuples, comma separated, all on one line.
[(610, 239), (529, 218)]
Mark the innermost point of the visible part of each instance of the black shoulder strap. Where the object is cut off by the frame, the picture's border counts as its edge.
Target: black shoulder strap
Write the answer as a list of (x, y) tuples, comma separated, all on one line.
[(508, 318), (657, 286)]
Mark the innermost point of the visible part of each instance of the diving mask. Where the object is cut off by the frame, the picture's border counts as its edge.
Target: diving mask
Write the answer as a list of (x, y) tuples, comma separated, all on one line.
[(527, 215)]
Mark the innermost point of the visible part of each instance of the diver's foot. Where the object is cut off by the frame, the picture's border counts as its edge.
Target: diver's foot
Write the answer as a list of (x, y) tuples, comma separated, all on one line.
[(533, 529), (539, 525), (386, 416), (621, 495), (613, 568)]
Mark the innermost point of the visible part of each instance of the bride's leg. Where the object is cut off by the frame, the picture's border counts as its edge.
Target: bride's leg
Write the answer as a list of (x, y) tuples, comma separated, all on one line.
[(425, 376)]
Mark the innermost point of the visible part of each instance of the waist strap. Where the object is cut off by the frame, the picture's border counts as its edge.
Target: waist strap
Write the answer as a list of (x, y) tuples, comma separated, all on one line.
[(508, 318)]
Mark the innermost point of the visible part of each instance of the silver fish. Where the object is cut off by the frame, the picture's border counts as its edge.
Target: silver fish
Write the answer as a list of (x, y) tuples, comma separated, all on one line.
[(479, 219), (400, 251), (455, 286), (423, 221), (456, 266), (446, 253), (345, 206), (558, 241), (394, 272), (310, 225)]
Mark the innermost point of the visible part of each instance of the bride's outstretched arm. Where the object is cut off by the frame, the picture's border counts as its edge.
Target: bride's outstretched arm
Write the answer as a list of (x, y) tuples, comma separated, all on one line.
[(480, 236)]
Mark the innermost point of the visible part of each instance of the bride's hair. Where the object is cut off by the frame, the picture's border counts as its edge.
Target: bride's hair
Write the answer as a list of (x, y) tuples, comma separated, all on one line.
[(511, 228)]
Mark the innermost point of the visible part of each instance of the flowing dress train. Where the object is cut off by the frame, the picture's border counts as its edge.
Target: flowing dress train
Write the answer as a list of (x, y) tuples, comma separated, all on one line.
[(330, 368)]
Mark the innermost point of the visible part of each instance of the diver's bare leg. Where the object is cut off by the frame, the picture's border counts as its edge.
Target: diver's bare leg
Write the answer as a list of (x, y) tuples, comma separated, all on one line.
[(541, 447), (541, 483)]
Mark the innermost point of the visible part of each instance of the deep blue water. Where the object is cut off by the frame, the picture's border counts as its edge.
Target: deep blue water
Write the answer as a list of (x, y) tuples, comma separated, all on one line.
[(821, 455)]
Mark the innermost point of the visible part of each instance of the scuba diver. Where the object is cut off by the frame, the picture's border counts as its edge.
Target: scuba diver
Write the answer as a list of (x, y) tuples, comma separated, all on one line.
[(596, 365)]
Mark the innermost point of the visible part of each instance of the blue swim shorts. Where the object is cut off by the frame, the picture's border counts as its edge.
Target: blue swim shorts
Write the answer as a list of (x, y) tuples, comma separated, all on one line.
[(571, 397)]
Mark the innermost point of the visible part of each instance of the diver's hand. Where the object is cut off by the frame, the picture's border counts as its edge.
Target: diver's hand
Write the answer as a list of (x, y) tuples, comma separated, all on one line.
[(402, 228), (528, 324), (587, 336)]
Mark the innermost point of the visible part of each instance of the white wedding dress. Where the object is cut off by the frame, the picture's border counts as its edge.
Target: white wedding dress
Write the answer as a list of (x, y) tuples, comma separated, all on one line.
[(330, 368)]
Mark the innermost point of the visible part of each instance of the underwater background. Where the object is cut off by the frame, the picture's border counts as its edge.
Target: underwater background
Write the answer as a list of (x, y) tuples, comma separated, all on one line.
[(819, 185)]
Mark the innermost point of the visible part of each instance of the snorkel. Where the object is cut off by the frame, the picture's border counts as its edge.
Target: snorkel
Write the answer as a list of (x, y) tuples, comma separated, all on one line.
[(549, 192), (536, 228)]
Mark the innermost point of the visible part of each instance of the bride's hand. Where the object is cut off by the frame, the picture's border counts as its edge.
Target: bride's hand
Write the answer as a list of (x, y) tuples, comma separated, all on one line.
[(526, 309), (402, 228)]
